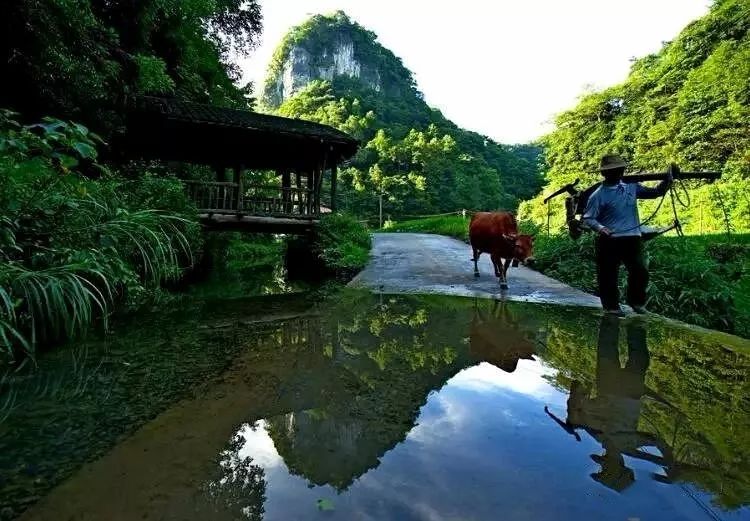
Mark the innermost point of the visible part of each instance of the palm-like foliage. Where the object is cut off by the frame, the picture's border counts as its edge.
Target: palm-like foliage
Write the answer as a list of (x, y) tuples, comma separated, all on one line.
[(56, 300), (71, 246)]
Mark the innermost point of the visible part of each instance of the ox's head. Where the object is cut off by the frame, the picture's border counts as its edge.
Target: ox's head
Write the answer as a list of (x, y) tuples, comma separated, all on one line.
[(523, 248)]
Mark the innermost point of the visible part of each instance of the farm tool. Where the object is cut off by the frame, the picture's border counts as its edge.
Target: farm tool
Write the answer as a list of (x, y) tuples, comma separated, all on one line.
[(576, 200)]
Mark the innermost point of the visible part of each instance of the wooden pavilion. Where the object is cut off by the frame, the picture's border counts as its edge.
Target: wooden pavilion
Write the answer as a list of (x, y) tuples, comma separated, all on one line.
[(231, 141)]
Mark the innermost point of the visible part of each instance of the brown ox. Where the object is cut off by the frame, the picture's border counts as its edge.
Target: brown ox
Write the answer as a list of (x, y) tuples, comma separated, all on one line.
[(496, 233)]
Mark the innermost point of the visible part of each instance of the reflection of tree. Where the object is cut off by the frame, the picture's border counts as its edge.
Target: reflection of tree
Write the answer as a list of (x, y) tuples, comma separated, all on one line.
[(240, 487), (87, 395)]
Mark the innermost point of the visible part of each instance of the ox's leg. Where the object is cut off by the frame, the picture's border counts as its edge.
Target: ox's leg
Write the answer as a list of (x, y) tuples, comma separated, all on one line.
[(497, 263), (501, 270), (477, 253), (506, 265)]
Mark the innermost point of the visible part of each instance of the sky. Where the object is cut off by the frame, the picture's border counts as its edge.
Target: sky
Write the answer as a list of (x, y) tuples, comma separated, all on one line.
[(499, 67)]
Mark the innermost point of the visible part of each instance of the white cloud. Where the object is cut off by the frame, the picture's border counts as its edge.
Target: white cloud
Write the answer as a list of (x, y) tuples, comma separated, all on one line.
[(528, 379), (259, 446)]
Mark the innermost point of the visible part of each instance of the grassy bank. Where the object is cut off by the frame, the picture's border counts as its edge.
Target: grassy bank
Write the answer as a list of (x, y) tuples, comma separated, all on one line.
[(698, 279), (702, 280), (451, 225)]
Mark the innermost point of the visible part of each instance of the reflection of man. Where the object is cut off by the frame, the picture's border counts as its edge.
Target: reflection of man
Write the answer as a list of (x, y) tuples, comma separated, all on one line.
[(612, 415)]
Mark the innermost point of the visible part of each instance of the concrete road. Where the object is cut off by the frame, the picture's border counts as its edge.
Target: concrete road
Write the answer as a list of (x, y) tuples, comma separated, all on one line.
[(425, 263)]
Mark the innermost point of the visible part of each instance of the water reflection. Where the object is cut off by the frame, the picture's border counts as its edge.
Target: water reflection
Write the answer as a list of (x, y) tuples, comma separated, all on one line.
[(377, 407), (497, 337), (610, 412), (240, 486)]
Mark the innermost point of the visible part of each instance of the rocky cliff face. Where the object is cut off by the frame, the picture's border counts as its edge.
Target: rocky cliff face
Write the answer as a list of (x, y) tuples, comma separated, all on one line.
[(301, 67), (327, 47)]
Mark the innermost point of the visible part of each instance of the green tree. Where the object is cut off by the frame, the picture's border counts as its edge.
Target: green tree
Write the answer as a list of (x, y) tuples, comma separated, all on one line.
[(689, 103), (82, 59)]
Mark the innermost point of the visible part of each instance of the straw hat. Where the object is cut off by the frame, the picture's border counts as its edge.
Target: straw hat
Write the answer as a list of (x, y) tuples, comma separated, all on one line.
[(613, 474), (612, 162)]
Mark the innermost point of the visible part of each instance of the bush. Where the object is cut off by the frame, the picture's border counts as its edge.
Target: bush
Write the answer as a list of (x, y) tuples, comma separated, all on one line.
[(71, 245), (572, 262), (454, 226), (694, 279), (343, 243)]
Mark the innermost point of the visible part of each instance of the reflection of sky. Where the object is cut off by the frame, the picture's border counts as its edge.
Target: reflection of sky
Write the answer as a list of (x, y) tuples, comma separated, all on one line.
[(483, 449)]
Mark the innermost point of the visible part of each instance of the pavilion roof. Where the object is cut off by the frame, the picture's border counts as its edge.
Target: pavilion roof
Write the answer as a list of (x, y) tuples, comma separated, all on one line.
[(176, 130)]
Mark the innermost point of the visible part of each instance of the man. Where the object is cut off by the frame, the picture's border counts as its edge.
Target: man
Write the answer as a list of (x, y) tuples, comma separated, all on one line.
[(612, 212)]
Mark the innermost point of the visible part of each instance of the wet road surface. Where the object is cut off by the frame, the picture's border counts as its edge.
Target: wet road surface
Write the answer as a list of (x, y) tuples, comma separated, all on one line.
[(425, 263)]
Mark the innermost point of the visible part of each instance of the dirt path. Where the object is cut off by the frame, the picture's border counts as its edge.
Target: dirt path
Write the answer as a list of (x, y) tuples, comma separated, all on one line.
[(424, 263)]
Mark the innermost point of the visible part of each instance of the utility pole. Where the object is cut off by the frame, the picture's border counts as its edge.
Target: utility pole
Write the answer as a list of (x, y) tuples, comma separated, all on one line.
[(381, 210)]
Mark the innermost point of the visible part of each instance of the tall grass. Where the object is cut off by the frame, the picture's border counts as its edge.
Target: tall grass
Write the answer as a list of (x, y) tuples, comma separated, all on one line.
[(697, 279), (71, 246), (454, 226)]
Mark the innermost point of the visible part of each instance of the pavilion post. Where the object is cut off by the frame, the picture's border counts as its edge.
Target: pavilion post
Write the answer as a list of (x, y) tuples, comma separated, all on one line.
[(317, 189), (240, 192), (286, 184), (310, 188), (298, 184), (334, 172), (319, 183)]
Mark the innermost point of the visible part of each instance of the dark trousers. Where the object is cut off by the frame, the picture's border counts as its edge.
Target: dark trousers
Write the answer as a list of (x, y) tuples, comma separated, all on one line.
[(610, 253)]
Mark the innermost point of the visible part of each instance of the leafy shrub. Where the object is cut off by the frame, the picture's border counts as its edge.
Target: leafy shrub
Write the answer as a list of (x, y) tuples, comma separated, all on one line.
[(691, 279), (452, 225), (689, 286), (70, 245), (343, 243), (572, 262)]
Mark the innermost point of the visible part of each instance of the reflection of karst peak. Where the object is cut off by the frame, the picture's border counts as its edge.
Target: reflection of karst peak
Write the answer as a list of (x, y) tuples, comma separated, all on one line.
[(345, 384), (381, 374)]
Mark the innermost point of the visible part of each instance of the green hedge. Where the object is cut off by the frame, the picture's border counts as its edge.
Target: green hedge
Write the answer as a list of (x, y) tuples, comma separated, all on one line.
[(454, 226)]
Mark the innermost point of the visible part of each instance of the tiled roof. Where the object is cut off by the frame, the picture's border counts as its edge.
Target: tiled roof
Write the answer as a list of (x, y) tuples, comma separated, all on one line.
[(195, 112)]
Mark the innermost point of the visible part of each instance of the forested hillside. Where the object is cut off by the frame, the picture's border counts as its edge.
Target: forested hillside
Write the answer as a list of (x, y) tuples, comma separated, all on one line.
[(332, 70), (689, 103)]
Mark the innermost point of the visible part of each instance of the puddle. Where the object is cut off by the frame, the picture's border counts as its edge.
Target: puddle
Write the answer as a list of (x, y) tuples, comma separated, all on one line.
[(382, 407)]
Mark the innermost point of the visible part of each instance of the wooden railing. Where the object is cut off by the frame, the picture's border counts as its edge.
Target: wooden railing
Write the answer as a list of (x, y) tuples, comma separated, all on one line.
[(213, 197), (262, 200)]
